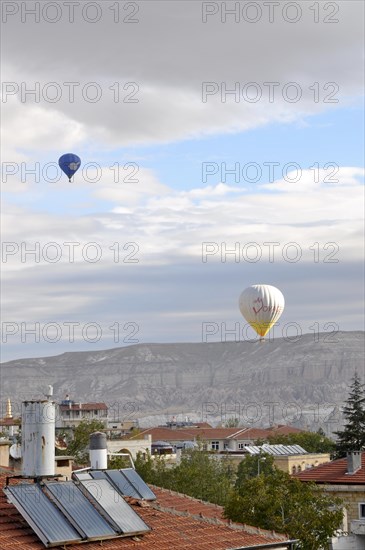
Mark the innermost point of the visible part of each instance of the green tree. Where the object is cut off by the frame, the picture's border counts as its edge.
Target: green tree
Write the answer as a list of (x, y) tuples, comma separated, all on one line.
[(253, 465), (232, 423), (119, 462), (154, 470), (203, 475), (200, 474), (352, 437), (312, 442), (284, 504), (80, 443), (145, 467)]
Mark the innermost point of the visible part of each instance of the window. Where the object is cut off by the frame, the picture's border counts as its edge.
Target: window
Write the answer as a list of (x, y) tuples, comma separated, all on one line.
[(215, 445), (63, 463), (362, 510), (95, 412), (241, 445), (293, 470)]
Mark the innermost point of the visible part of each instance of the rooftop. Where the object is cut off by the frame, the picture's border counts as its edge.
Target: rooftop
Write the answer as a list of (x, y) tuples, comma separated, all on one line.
[(277, 450), (83, 406), (189, 434), (177, 521), (9, 421), (334, 472)]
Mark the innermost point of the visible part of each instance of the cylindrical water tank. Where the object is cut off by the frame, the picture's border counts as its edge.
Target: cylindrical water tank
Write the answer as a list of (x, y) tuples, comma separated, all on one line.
[(98, 451), (38, 438)]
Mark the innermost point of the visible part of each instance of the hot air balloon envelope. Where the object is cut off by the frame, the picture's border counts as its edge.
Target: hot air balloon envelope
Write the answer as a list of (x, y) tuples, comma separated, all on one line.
[(69, 164), (261, 306)]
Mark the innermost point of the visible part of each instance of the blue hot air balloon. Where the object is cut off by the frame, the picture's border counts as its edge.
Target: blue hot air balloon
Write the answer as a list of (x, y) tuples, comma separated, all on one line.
[(69, 164)]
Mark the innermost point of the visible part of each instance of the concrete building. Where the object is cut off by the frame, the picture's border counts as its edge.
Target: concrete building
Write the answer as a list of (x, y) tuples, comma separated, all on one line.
[(70, 413), (63, 466), (224, 440), (290, 458), (344, 478), (4, 452), (130, 446), (8, 424), (122, 427)]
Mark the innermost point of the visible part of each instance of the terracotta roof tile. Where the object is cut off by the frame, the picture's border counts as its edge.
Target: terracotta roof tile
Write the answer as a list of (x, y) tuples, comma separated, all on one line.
[(334, 472), (161, 433), (10, 421), (84, 407), (176, 521)]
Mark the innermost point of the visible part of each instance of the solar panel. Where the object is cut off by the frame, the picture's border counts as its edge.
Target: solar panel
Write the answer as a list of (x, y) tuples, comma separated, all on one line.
[(123, 484), (81, 476), (79, 510), (97, 474), (137, 482), (113, 507), (127, 481), (45, 519)]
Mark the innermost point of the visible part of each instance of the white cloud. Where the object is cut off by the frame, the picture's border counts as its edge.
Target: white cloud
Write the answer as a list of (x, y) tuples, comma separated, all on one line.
[(210, 191), (167, 224), (168, 55), (298, 180)]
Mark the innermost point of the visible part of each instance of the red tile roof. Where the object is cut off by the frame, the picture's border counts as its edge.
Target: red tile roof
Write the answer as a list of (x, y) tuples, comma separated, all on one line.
[(334, 472), (202, 425), (211, 434), (84, 407), (176, 521), (10, 421)]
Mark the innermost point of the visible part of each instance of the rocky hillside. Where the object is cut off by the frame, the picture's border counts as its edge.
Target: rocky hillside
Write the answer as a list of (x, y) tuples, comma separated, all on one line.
[(302, 383)]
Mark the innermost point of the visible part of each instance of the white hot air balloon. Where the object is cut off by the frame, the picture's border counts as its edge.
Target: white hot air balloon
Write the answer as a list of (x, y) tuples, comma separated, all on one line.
[(261, 306)]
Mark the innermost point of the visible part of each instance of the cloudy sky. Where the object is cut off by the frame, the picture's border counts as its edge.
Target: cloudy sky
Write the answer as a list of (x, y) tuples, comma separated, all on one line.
[(219, 149)]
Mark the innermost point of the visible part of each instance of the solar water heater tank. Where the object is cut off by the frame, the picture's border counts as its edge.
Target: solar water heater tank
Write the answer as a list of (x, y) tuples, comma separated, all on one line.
[(98, 451), (38, 438)]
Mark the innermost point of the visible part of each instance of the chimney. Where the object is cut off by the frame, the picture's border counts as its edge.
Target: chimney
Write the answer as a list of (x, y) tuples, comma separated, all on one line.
[(98, 451), (38, 438), (353, 462)]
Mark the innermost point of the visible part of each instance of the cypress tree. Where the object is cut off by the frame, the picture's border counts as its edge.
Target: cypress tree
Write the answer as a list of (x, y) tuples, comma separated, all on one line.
[(352, 437)]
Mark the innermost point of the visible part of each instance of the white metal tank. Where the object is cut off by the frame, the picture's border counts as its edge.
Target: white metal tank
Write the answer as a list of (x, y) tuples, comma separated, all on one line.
[(38, 438), (98, 451)]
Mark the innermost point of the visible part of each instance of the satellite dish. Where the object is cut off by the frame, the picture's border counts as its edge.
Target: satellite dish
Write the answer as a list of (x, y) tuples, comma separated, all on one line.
[(16, 451)]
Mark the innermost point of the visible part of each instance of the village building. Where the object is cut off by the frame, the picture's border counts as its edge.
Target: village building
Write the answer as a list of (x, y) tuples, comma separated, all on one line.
[(344, 478), (289, 458), (221, 440), (9, 424), (71, 414), (131, 446)]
